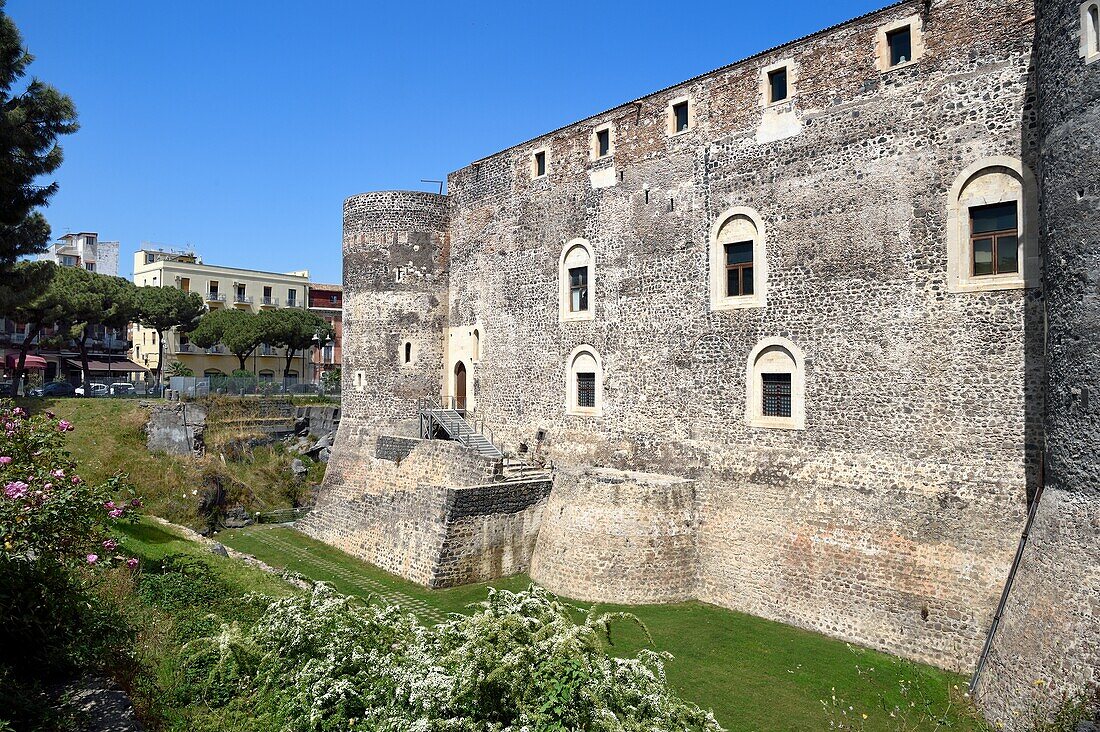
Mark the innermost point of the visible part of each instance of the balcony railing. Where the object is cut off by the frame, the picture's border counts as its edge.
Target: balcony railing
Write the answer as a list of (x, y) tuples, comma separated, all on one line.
[(269, 301), (186, 348), (267, 350), (242, 299), (215, 349), (215, 297)]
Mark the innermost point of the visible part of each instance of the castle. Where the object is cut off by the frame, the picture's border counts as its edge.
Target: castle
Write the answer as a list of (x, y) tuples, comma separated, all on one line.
[(812, 336)]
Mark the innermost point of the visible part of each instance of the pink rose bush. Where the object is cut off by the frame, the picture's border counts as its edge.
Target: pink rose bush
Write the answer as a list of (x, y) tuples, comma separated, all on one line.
[(47, 511)]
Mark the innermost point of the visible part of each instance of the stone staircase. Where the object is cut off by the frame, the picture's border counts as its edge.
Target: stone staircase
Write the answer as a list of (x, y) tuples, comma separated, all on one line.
[(521, 471)]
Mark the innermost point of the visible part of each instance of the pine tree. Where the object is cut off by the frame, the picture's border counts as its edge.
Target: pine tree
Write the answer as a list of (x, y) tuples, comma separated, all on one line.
[(32, 117)]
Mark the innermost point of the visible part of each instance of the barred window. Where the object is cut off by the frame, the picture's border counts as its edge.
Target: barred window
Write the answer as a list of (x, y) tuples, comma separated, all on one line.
[(586, 390), (776, 395)]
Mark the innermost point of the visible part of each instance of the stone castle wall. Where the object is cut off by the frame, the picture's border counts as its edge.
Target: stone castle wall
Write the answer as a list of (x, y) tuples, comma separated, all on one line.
[(425, 509), (921, 418), (1048, 643), (616, 536)]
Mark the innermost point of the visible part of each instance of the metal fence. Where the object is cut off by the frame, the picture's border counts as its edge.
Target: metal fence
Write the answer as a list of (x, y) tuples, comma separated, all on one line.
[(196, 386)]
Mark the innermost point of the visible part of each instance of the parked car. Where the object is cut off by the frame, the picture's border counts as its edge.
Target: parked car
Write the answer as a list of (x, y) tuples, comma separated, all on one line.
[(7, 389), (54, 389), (123, 388), (97, 389)]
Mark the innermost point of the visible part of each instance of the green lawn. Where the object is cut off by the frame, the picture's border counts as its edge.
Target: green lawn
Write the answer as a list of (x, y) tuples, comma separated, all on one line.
[(754, 674)]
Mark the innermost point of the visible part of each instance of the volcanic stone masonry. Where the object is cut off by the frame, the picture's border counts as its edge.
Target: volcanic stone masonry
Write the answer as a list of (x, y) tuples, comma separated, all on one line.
[(846, 436)]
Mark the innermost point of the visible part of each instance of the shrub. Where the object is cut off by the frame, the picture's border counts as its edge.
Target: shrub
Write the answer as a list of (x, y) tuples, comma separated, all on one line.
[(324, 662)]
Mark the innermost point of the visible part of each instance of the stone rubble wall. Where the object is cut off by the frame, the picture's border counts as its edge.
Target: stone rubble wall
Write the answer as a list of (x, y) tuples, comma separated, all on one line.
[(1048, 645), (175, 428), (619, 536), (427, 510)]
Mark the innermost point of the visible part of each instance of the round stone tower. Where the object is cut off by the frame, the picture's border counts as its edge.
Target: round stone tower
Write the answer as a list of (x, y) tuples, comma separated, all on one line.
[(1048, 644), (395, 300)]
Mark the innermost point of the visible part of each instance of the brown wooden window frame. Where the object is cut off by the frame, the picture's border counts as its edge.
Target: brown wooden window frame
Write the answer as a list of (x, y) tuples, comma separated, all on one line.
[(995, 237), (581, 288), (740, 267)]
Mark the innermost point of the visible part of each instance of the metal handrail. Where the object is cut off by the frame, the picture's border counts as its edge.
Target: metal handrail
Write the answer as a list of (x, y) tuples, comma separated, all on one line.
[(463, 430)]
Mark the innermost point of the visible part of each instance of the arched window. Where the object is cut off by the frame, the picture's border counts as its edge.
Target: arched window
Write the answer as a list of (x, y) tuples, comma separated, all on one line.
[(267, 375), (775, 389), (1090, 31), (212, 372), (407, 352), (576, 270), (584, 387), (475, 346), (738, 262), (991, 235)]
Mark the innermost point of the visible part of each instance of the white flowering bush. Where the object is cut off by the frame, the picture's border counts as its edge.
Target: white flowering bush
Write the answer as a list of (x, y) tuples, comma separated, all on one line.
[(324, 662)]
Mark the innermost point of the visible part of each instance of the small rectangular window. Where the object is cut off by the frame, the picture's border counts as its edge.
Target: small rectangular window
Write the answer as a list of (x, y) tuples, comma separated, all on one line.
[(994, 239), (586, 390), (680, 117), (291, 297), (739, 269), (603, 143), (777, 85), (578, 289), (776, 393), (900, 42), (185, 284), (148, 258), (540, 163)]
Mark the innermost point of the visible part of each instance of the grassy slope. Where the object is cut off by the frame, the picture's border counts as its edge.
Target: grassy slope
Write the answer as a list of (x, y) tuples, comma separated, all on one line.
[(109, 437), (754, 674)]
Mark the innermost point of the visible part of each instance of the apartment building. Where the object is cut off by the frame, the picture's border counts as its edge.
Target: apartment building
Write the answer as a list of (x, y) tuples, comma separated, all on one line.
[(84, 249), (328, 302), (220, 287)]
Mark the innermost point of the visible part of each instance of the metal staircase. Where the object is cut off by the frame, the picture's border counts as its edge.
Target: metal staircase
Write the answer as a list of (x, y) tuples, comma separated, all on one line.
[(448, 417)]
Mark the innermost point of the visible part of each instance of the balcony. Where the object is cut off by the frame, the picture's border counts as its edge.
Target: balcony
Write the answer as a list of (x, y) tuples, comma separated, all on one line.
[(269, 302), (186, 348), (215, 349), (268, 351), (215, 297), (242, 300)]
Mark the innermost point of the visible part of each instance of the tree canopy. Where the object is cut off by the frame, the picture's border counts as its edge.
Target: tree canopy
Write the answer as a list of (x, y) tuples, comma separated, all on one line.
[(238, 330), (31, 120), (164, 308), (295, 330)]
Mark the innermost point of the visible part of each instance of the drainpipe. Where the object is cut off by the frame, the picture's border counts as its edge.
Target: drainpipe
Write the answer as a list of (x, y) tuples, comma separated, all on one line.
[(1005, 592)]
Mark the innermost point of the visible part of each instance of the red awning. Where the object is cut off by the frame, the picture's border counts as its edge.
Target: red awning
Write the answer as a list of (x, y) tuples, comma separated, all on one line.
[(120, 366), (33, 363)]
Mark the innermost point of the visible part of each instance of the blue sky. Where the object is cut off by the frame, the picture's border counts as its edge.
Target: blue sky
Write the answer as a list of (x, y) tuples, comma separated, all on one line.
[(238, 127)]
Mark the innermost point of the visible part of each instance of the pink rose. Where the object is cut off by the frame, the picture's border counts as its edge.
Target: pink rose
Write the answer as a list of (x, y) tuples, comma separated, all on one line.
[(49, 414), (15, 489), (110, 545), (132, 563), (93, 558), (135, 503), (77, 480), (5, 460), (64, 426), (59, 473), (18, 412), (117, 513), (109, 505)]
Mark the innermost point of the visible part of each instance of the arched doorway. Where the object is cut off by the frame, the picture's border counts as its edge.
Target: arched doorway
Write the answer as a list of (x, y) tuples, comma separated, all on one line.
[(460, 386)]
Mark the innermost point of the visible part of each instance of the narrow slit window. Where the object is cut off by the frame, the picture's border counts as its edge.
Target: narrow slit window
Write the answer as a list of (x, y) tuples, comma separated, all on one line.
[(900, 43), (680, 117), (540, 164), (408, 352), (578, 289), (739, 269), (586, 390), (603, 143), (777, 85), (776, 395), (994, 239)]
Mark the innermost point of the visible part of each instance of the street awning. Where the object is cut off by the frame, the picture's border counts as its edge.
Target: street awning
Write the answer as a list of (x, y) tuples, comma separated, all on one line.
[(33, 363), (121, 366)]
